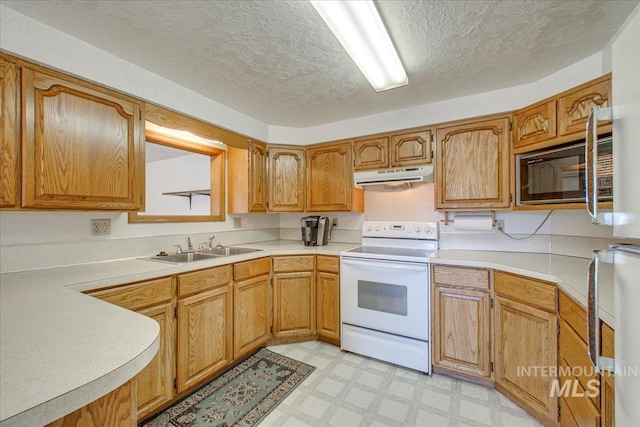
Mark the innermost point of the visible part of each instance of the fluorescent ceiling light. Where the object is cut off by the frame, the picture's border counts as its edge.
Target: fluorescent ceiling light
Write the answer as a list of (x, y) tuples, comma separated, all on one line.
[(358, 26), (183, 134)]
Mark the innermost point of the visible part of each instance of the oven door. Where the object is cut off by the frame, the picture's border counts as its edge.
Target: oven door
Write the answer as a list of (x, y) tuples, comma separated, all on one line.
[(389, 296)]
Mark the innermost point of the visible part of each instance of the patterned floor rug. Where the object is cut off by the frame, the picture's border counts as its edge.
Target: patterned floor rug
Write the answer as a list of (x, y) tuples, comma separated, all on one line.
[(240, 397)]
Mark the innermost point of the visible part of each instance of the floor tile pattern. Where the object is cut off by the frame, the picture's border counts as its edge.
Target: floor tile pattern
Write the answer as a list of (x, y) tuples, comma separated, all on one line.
[(350, 390)]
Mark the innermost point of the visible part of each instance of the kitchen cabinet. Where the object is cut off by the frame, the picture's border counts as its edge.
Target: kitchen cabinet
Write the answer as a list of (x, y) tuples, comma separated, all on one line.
[(294, 305), (116, 408), (462, 323), (328, 298), (371, 153), (10, 138), (251, 295), (82, 144), (534, 124), (286, 179), (473, 165), (205, 324), (247, 178), (154, 299), (330, 179), (404, 148), (409, 148), (574, 106), (593, 402), (525, 341)]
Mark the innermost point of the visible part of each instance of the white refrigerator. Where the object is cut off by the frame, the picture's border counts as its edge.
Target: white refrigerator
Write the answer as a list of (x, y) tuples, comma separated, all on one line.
[(625, 219)]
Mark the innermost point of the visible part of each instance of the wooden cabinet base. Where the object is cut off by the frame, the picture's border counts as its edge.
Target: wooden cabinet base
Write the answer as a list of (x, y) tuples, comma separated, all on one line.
[(117, 408), (487, 382)]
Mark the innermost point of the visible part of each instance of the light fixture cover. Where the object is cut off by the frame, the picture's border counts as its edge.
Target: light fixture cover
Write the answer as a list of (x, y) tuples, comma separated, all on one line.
[(358, 26)]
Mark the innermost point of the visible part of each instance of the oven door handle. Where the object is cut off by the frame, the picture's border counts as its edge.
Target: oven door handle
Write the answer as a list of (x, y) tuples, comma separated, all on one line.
[(386, 265)]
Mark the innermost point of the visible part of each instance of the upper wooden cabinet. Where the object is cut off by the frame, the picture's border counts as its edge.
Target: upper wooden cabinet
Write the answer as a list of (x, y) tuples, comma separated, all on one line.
[(411, 148), (286, 179), (371, 153), (534, 124), (561, 118), (472, 165), (404, 148), (329, 178), (82, 144), (574, 106), (247, 178), (10, 128)]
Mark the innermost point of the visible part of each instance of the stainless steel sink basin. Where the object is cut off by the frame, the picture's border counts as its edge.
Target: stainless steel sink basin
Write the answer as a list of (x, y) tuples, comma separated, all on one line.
[(201, 255), (229, 251), (184, 257)]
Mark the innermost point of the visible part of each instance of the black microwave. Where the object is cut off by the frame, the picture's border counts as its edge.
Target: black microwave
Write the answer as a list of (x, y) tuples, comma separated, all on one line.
[(558, 175)]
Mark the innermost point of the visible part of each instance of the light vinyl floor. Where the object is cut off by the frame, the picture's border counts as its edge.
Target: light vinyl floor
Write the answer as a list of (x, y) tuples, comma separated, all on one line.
[(350, 390)]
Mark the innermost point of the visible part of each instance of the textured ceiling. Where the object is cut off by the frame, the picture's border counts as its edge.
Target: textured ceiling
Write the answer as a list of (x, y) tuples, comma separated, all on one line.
[(277, 62)]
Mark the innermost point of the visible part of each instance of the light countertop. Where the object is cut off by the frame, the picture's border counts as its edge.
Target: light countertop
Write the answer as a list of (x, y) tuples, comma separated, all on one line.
[(62, 349), (569, 273)]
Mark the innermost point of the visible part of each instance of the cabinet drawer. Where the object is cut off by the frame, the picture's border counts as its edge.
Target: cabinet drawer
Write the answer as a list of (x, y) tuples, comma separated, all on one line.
[(292, 263), (247, 269), (330, 264), (574, 314), (459, 276), (531, 292), (191, 283), (139, 295)]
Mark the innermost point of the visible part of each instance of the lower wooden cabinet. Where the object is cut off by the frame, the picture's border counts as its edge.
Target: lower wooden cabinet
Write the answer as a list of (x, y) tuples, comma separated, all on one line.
[(251, 294), (116, 408), (525, 343), (328, 298), (155, 299), (294, 314), (205, 324), (462, 322)]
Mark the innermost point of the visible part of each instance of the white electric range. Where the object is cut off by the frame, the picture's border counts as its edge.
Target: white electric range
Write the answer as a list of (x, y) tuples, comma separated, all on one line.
[(385, 293)]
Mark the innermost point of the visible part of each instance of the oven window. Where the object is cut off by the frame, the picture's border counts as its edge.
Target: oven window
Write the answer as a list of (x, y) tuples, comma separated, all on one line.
[(382, 297)]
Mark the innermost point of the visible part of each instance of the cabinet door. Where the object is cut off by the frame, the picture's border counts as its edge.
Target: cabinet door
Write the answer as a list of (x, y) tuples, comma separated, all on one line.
[(412, 148), (525, 340), (534, 124), (82, 145), (205, 335), (257, 177), (472, 165), (247, 178), (293, 305), (574, 107), (251, 314), (462, 331), (328, 306), (286, 180), (607, 399), (9, 126), (153, 299), (329, 178), (372, 153)]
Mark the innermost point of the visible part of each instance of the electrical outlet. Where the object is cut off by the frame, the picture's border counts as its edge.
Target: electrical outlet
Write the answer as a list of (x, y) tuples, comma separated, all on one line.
[(100, 227), (237, 222), (334, 222), (500, 224)]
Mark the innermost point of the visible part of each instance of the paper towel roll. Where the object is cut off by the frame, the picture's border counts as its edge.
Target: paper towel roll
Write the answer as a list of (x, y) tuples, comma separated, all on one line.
[(473, 223)]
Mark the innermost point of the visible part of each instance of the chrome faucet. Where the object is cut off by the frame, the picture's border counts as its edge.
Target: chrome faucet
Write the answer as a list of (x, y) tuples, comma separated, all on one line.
[(210, 239), (189, 245)]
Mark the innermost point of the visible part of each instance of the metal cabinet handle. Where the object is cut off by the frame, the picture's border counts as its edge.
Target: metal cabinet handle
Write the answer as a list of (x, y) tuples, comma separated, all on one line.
[(593, 321)]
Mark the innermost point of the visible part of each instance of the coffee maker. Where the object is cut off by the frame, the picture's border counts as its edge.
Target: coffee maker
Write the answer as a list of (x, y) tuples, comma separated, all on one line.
[(315, 230)]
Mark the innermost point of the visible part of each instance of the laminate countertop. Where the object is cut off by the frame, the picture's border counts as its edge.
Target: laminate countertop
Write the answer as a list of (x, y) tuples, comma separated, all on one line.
[(569, 273), (61, 349)]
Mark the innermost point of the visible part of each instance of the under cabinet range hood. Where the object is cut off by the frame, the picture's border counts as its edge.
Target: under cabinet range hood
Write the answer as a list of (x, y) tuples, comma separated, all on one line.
[(394, 176)]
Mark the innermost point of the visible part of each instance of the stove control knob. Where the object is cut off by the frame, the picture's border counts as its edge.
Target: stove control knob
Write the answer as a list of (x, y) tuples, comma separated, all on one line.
[(377, 228), (418, 229), (369, 228)]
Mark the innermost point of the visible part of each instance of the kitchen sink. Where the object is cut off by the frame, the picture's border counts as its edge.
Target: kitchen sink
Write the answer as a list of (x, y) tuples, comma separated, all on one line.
[(200, 255), (229, 251)]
